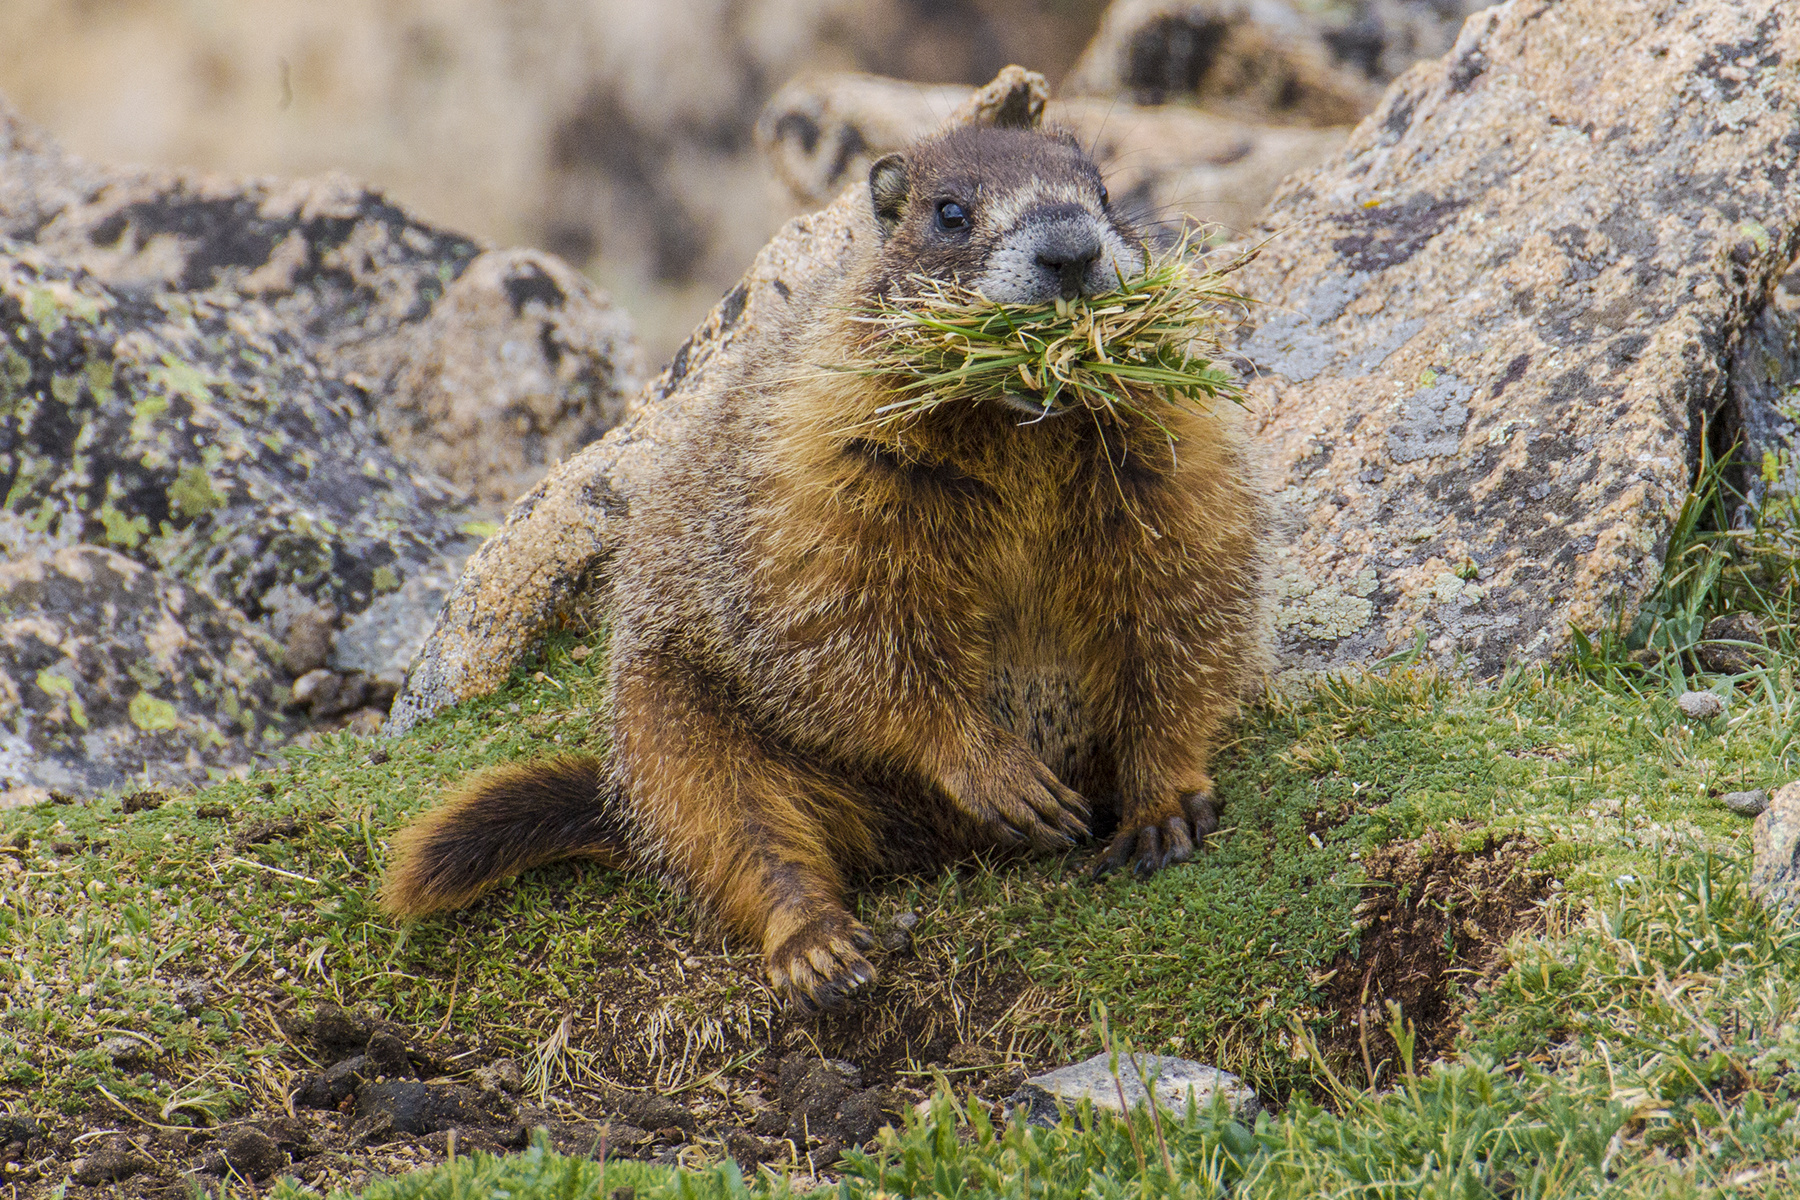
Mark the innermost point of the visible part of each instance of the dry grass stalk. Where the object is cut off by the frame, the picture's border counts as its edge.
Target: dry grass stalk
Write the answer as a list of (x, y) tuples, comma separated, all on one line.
[(1153, 342)]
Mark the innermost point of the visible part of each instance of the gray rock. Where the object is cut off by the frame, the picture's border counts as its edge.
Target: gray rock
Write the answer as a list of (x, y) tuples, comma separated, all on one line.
[(1701, 706), (249, 388), (382, 641), (1748, 804), (212, 447), (1178, 1084), (307, 640), (1775, 840), (523, 362), (110, 671), (127, 1053), (1492, 323)]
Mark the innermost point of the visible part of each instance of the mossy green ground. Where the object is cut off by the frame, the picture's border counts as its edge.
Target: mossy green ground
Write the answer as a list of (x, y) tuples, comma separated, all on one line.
[(1639, 1042)]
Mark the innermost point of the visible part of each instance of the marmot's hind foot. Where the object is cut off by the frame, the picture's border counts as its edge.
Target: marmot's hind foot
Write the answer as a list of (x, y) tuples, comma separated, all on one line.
[(820, 965), (1161, 842)]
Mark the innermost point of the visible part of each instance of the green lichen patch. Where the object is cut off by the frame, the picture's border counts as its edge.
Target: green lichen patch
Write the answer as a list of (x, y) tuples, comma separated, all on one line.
[(164, 428)]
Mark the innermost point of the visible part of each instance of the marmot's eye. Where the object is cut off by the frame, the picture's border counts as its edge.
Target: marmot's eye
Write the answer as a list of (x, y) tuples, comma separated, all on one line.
[(950, 215), (1105, 199)]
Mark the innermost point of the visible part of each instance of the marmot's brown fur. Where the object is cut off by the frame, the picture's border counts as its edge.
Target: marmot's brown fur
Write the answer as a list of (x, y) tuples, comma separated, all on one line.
[(842, 649)]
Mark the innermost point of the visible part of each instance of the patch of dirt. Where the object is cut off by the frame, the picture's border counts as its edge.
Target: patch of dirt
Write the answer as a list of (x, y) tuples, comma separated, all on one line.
[(676, 1052), (1434, 922)]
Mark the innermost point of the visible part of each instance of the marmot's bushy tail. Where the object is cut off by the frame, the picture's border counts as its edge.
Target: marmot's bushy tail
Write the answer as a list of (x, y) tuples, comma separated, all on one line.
[(497, 823)]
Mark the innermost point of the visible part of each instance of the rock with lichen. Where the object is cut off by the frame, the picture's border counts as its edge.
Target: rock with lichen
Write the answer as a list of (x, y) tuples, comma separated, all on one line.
[(291, 403), (111, 671), (183, 431), (1496, 323)]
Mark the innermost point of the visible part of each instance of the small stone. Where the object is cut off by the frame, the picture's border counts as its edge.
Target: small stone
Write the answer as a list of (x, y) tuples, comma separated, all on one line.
[(580, 653), (1748, 804), (1701, 706), (896, 935), (126, 1053), (252, 1153), (1044, 1097), (317, 687), (1775, 840), (191, 995), (311, 632)]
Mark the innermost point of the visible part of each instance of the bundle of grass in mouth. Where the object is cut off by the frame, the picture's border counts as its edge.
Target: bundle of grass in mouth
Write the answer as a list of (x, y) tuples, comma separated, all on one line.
[(1153, 342)]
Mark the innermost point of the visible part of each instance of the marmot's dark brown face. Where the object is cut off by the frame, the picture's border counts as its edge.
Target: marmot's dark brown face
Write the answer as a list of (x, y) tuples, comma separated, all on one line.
[(1020, 216)]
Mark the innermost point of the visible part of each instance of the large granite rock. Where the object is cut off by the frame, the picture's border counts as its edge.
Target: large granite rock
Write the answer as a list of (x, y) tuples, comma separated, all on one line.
[(256, 390), (822, 132), (1307, 62), (1775, 841), (1496, 322), (189, 431)]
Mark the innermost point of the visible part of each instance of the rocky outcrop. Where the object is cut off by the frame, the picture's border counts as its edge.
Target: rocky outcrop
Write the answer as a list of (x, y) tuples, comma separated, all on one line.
[(1496, 322), (285, 403), (440, 337), (821, 133)]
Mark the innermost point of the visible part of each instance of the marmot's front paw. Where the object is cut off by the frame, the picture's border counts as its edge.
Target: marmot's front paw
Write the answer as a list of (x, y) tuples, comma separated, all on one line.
[(1024, 803), (1161, 840), (820, 964)]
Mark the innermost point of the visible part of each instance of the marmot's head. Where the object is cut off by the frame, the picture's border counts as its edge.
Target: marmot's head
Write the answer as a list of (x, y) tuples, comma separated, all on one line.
[(1019, 215)]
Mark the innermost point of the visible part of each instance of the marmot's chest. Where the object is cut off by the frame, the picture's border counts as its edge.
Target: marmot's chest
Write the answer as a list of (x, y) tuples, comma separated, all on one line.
[(1034, 689)]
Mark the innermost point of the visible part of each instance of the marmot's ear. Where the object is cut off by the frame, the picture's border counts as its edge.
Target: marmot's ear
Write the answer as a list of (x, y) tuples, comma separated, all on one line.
[(887, 190)]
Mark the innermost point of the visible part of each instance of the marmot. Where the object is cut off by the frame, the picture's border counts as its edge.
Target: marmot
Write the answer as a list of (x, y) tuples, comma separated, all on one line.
[(843, 648)]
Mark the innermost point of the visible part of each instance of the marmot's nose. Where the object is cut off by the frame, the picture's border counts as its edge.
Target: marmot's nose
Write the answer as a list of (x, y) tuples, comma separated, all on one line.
[(1066, 250)]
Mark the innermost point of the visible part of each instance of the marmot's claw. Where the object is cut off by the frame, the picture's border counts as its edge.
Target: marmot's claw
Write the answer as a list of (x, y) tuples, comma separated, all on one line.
[(1161, 844), (820, 965), (1200, 810)]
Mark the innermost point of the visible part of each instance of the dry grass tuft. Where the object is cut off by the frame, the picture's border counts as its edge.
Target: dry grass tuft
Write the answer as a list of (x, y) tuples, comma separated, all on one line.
[(1153, 342)]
